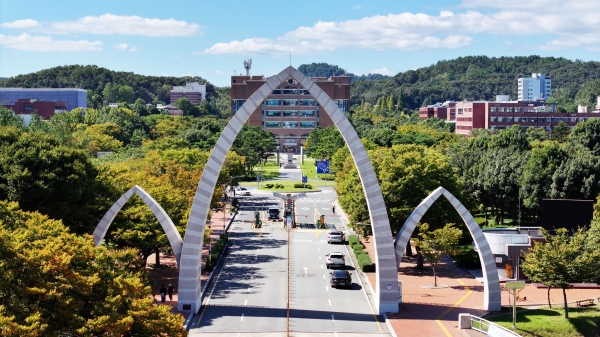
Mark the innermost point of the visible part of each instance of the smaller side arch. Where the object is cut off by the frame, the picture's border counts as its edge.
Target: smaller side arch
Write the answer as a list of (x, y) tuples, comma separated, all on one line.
[(491, 284), (163, 218)]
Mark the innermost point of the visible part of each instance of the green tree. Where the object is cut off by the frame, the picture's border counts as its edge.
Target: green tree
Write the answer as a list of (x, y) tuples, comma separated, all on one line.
[(435, 244), (188, 108), (560, 261), (322, 143), (587, 134), (8, 118), (253, 144), (561, 132)]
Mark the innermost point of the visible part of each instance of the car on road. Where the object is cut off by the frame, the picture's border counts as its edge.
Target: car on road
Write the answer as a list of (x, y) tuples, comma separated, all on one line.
[(335, 259), (242, 191), (335, 236), (341, 278), (273, 213)]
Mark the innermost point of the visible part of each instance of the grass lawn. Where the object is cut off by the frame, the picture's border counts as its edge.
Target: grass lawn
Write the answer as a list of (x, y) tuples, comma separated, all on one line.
[(288, 186), (310, 170), (582, 322), (270, 170)]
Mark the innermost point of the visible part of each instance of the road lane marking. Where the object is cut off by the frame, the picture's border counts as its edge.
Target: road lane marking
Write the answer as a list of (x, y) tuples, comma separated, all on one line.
[(319, 257), (323, 275), (242, 317), (332, 318), (329, 302), (245, 302), (326, 289), (321, 266), (450, 309)]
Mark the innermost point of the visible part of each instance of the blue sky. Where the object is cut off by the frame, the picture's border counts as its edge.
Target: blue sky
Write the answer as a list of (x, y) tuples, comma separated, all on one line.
[(212, 38)]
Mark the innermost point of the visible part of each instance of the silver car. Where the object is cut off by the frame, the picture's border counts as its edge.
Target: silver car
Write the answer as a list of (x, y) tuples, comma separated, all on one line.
[(335, 259), (242, 191), (335, 236)]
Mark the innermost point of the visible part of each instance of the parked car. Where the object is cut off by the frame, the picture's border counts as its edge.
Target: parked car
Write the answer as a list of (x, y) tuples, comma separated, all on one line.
[(335, 236), (273, 213), (341, 278), (335, 259), (242, 191)]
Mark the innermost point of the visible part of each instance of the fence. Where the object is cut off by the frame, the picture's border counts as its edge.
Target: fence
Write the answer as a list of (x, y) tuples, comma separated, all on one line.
[(490, 328)]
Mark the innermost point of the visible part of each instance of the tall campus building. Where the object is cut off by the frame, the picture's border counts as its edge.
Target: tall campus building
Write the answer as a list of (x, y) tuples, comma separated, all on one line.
[(534, 88), (290, 111), (74, 98)]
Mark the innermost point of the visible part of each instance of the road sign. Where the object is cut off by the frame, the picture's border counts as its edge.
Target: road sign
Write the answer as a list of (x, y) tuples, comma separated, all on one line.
[(323, 167), (514, 285), (304, 179)]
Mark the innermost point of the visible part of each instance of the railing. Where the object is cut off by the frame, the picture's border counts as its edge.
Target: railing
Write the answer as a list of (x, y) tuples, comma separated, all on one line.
[(490, 328)]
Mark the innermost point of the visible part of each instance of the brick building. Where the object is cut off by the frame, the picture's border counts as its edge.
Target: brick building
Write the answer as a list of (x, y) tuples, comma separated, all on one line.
[(290, 111), (194, 92), (29, 106)]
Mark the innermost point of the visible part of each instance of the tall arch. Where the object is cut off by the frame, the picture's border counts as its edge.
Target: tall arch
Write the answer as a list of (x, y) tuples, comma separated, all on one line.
[(491, 284), (386, 296), (163, 218)]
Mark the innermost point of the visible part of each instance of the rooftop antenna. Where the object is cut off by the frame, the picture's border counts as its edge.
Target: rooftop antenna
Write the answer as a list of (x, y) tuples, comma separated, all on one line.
[(247, 66)]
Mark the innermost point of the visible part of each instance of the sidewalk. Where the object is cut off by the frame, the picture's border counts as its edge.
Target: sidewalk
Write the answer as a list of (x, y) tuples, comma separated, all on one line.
[(434, 312), (168, 271)]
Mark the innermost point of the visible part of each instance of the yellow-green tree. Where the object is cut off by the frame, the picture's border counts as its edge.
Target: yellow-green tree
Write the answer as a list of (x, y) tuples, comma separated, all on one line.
[(433, 245)]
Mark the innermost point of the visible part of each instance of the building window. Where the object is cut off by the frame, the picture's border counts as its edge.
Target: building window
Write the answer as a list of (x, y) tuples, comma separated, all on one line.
[(493, 109), (237, 104), (273, 113), (290, 125), (508, 109), (582, 119), (565, 119), (273, 102), (307, 102), (500, 119), (548, 119), (307, 113), (532, 119), (290, 140), (517, 119), (508, 119), (273, 125), (304, 92), (500, 109), (290, 113), (493, 119), (573, 119), (525, 119), (292, 102), (460, 111), (517, 109), (276, 92), (307, 125), (342, 104), (29, 107)]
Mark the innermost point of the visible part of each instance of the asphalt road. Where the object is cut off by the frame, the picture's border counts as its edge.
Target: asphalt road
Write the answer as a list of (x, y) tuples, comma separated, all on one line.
[(250, 296)]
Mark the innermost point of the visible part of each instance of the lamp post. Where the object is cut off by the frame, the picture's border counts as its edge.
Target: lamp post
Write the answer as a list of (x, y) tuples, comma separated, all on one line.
[(225, 205)]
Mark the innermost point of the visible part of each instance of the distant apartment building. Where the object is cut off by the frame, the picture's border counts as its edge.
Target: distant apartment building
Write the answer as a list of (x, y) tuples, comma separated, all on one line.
[(26, 107), (502, 113), (290, 111), (446, 110), (535, 87), (73, 98), (194, 92)]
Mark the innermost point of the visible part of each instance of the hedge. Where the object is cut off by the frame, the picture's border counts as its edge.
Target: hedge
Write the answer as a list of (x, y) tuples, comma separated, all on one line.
[(352, 239), (303, 186), (365, 263), (467, 257), (216, 251)]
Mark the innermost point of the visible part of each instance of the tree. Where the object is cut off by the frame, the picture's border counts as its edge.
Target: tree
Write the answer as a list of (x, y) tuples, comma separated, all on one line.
[(322, 143), (587, 134), (56, 283), (253, 144), (560, 261), (8, 118), (561, 132), (188, 108), (435, 244)]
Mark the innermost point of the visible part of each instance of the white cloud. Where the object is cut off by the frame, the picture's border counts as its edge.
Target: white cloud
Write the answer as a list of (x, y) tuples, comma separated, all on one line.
[(133, 49), (47, 44), (121, 46), (382, 71), (27, 23), (218, 72), (357, 7), (557, 24), (109, 24)]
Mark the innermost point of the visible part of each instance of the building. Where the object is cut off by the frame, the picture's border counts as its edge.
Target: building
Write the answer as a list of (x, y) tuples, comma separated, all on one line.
[(535, 87), (73, 98), (30, 106), (444, 110), (194, 92), (290, 111)]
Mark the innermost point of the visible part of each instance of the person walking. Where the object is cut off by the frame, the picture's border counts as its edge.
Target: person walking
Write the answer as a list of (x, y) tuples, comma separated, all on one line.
[(333, 209), (170, 290), (163, 294)]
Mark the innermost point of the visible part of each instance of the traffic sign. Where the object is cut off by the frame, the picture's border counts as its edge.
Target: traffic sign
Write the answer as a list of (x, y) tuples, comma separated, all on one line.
[(304, 179), (323, 167), (514, 285)]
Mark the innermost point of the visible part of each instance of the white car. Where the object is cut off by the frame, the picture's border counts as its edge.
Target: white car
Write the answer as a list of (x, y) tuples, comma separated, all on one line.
[(335, 259), (242, 191), (335, 236)]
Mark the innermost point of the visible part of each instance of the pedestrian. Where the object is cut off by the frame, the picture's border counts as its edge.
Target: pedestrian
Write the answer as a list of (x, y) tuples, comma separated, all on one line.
[(333, 209), (170, 290), (163, 294)]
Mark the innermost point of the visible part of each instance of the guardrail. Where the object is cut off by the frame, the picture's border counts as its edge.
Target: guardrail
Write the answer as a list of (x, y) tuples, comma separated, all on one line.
[(486, 327)]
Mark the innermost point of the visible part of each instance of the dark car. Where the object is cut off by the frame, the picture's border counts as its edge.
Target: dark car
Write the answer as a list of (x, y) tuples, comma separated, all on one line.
[(273, 213), (341, 278)]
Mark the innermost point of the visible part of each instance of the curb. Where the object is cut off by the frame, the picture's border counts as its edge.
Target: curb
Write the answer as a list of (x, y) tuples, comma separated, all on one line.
[(389, 325)]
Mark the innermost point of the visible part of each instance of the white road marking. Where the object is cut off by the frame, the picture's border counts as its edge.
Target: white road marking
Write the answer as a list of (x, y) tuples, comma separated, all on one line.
[(332, 318), (319, 257), (318, 250), (326, 289), (305, 270), (245, 302), (243, 317), (323, 275), (329, 302), (248, 289), (322, 268)]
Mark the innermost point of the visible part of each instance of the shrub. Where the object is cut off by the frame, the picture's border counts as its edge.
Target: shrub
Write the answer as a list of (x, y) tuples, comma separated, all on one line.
[(365, 263), (216, 252), (234, 202), (467, 257), (303, 186), (269, 185)]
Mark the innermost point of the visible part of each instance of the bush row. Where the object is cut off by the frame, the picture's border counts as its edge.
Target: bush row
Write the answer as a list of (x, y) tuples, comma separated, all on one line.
[(364, 260), (302, 186), (216, 251), (467, 257), (274, 185)]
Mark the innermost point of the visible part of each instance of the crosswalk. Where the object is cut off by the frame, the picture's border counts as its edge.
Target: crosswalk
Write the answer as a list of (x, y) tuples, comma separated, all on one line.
[(314, 200)]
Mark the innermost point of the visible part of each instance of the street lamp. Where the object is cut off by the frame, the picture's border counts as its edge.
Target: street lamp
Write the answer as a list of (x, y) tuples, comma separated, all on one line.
[(225, 204)]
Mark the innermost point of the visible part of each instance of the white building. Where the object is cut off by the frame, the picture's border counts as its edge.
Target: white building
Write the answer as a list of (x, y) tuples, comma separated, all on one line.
[(534, 88)]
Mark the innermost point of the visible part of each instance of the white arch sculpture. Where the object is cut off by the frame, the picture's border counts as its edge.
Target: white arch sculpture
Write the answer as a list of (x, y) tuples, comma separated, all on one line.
[(190, 294), (491, 284), (160, 214)]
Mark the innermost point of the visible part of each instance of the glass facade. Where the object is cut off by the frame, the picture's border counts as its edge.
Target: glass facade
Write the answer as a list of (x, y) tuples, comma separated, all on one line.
[(290, 113), (307, 102), (290, 125), (273, 113), (342, 104), (237, 104), (292, 102), (307, 125), (307, 113), (75, 98), (272, 102), (273, 125)]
